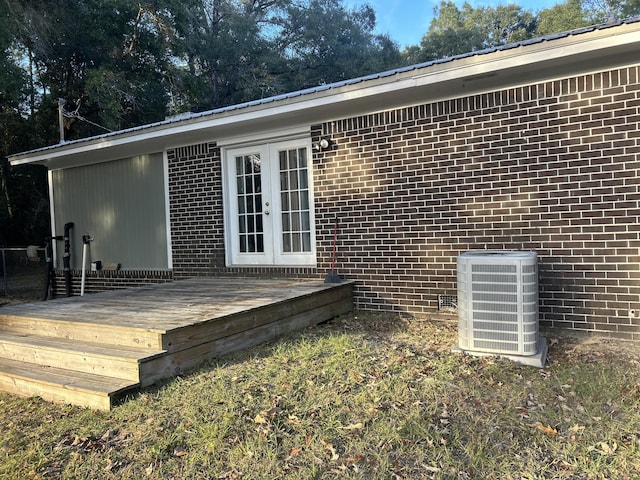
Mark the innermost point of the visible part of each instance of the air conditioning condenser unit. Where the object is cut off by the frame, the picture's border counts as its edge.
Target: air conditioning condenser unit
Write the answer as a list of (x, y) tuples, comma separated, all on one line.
[(498, 305)]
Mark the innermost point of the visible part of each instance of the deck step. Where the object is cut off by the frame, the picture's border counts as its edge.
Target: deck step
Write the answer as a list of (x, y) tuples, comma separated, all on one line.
[(105, 360), (60, 385), (85, 350), (85, 331)]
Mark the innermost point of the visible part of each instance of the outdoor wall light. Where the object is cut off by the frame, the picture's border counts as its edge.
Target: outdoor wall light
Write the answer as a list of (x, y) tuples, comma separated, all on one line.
[(323, 144)]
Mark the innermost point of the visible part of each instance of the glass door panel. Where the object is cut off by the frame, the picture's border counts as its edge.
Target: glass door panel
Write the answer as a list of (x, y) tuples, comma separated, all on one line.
[(295, 204), (249, 200)]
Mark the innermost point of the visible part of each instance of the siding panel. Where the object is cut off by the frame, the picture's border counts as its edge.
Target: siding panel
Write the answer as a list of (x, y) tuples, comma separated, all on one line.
[(121, 204)]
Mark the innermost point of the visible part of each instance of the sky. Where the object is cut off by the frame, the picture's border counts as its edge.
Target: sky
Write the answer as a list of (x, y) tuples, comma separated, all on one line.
[(406, 21)]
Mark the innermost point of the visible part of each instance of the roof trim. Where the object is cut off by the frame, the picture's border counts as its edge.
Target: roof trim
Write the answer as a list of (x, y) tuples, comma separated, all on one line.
[(467, 67)]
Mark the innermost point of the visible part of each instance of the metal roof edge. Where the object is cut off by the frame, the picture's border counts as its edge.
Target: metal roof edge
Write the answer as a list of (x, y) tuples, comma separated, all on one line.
[(22, 157)]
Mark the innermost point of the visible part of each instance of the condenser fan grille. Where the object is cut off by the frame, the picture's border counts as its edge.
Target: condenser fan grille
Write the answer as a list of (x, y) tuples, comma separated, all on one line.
[(498, 302)]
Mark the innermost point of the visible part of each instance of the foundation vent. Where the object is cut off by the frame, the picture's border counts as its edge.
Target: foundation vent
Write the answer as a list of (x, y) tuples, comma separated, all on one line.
[(447, 303)]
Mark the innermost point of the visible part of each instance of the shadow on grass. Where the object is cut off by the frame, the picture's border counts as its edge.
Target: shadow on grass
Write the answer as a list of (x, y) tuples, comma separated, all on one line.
[(393, 331)]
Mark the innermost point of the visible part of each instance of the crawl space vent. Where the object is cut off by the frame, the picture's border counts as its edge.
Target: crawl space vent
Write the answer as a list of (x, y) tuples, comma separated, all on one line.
[(447, 303)]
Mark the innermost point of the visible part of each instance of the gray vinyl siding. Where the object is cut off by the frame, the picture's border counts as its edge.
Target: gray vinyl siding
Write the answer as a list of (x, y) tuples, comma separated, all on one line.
[(121, 204)]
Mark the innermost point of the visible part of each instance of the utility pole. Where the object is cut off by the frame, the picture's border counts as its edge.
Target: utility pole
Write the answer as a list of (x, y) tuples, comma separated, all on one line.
[(61, 118)]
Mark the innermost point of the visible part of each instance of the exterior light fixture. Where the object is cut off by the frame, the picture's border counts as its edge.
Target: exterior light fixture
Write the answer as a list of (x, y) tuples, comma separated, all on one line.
[(323, 144)]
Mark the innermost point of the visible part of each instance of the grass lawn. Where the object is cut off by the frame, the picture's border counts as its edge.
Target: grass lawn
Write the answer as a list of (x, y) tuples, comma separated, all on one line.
[(364, 396)]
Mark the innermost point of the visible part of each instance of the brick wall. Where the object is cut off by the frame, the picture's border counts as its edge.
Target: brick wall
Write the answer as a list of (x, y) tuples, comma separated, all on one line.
[(550, 167), (195, 199), (105, 280)]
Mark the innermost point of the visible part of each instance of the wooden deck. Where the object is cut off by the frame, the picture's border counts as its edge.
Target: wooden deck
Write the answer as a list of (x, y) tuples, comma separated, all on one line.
[(89, 350)]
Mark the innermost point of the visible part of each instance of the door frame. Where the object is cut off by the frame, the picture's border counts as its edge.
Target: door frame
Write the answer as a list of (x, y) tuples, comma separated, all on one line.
[(272, 223)]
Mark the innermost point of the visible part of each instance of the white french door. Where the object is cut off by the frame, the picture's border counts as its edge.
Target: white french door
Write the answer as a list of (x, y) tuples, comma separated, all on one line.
[(269, 205)]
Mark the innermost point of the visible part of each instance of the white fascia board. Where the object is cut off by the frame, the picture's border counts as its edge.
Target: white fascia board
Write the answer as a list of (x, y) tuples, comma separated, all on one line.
[(543, 52)]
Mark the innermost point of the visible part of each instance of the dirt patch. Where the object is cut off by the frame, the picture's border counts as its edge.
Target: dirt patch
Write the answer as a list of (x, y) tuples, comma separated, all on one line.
[(591, 347)]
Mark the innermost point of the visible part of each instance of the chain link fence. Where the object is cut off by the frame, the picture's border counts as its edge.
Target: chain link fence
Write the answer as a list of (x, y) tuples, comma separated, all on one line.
[(22, 274)]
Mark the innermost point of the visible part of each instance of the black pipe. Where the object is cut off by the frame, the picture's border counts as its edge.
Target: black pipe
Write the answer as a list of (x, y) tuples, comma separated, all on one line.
[(67, 258)]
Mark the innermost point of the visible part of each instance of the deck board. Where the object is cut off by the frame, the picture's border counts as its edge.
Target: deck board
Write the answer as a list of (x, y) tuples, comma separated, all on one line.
[(171, 305), (51, 348)]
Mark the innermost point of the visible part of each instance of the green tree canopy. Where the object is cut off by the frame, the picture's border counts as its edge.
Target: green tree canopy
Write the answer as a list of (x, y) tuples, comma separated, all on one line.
[(324, 42), (118, 64), (563, 17), (456, 30)]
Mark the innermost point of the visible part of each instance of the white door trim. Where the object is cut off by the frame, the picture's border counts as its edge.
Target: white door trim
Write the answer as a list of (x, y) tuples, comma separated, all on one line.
[(271, 207)]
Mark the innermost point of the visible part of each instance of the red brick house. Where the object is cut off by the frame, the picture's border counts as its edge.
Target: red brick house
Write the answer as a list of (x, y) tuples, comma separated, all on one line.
[(532, 146)]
